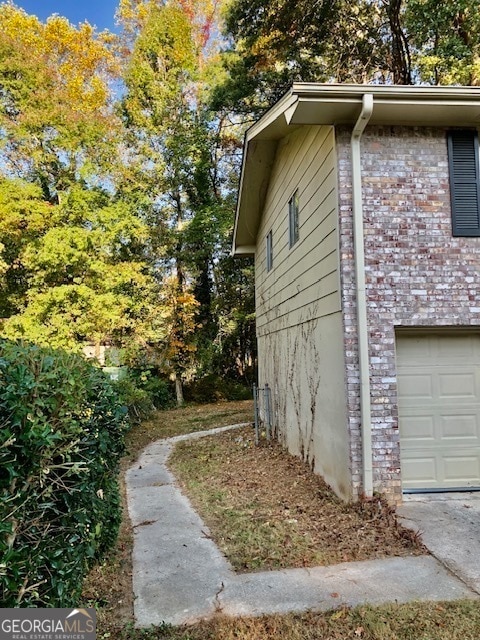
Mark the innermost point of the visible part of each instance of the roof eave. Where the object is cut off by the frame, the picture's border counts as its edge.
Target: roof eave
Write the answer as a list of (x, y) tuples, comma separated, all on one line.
[(333, 104)]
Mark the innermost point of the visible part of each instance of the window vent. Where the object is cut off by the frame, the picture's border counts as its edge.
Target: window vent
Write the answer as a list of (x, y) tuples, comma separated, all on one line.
[(293, 222)]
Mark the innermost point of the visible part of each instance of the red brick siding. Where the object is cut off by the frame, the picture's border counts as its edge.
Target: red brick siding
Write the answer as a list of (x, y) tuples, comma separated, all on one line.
[(417, 274)]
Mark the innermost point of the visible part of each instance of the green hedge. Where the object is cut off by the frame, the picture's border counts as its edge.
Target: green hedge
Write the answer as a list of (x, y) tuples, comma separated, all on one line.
[(143, 391), (61, 436)]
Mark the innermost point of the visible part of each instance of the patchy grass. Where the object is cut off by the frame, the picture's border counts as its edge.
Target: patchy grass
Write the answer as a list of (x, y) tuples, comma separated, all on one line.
[(267, 510), (417, 621), (175, 422), (109, 586)]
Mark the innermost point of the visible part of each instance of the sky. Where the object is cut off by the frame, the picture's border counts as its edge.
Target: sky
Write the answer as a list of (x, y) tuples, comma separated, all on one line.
[(98, 12)]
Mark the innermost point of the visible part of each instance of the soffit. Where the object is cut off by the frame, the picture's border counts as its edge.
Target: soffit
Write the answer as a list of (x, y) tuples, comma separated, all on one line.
[(320, 104)]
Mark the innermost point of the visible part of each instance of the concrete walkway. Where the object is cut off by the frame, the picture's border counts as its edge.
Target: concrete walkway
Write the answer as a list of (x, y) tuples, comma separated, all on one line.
[(180, 576), (449, 524)]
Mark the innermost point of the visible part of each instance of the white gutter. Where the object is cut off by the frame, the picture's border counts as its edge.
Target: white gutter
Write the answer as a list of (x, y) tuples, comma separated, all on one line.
[(362, 326)]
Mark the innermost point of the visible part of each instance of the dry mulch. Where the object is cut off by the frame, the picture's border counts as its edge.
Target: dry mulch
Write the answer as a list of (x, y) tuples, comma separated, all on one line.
[(108, 586), (266, 509)]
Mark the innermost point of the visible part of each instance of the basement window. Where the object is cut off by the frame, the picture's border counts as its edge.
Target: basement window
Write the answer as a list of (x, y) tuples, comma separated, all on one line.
[(464, 182), (293, 224), (269, 250)]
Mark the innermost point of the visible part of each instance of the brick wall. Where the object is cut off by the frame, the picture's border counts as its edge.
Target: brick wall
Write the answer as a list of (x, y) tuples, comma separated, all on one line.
[(417, 274)]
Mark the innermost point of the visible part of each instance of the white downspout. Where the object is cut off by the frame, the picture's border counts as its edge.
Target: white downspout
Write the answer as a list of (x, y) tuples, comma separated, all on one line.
[(362, 327)]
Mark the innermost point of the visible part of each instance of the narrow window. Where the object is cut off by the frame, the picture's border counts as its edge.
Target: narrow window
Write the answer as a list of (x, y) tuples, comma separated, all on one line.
[(464, 182), (269, 250), (293, 230)]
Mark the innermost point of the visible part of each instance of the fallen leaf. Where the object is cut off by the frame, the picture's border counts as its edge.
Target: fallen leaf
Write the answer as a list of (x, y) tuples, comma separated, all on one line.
[(338, 614), (334, 595)]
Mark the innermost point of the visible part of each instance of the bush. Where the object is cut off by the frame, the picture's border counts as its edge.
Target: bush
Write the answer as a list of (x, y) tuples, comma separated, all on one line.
[(160, 392), (62, 428), (213, 388), (136, 400), (142, 392)]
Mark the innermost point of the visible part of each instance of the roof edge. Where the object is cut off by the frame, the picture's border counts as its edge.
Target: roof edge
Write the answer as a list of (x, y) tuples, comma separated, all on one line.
[(388, 91), (308, 103)]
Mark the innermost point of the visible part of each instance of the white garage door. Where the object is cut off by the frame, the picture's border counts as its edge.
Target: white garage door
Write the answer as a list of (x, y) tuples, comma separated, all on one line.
[(438, 377)]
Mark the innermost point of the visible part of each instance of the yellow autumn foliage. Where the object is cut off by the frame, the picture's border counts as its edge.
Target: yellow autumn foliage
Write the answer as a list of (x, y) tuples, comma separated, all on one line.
[(79, 61)]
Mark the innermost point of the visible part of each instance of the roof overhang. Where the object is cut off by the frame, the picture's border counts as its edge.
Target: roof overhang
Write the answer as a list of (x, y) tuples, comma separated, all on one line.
[(333, 104)]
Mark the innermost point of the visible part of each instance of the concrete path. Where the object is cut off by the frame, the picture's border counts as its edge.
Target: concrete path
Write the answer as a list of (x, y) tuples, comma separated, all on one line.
[(449, 524), (180, 576)]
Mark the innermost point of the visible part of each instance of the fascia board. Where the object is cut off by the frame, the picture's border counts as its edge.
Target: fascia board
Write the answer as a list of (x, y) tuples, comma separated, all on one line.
[(333, 104)]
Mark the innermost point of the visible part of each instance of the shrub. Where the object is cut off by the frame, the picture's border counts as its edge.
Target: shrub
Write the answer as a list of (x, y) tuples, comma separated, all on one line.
[(137, 401), (213, 388), (62, 429), (143, 391), (160, 392)]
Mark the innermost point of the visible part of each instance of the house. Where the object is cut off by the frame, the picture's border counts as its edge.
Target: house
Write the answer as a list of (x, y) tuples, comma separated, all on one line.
[(361, 205)]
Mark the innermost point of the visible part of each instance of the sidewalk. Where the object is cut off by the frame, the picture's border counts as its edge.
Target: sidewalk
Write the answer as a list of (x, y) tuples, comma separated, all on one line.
[(449, 524), (180, 576)]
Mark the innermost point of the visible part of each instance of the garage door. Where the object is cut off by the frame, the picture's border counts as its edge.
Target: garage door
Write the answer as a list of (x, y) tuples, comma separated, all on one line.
[(438, 377)]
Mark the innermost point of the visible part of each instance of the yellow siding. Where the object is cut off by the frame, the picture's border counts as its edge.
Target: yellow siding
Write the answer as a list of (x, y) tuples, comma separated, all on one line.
[(304, 277), (305, 370), (299, 318)]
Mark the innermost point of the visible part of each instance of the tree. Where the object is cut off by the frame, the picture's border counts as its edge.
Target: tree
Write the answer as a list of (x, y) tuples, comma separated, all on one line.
[(275, 43), (445, 40), (73, 254), (84, 279), (55, 113), (24, 216), (117, 221), (236, 344), (177, 141), (179, 313)]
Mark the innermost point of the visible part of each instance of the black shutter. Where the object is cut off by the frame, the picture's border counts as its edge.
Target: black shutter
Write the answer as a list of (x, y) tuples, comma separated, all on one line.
[(464, 182)]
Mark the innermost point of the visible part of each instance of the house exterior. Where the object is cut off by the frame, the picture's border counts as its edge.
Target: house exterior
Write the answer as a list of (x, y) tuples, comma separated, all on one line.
[(361, 207)]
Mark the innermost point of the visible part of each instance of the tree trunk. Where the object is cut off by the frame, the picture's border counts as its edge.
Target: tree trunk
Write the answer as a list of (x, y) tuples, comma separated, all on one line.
[(179, 391), (401, 63)]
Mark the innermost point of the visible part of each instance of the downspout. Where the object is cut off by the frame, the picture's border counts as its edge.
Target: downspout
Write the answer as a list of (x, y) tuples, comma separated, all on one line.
[(362, 326)]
